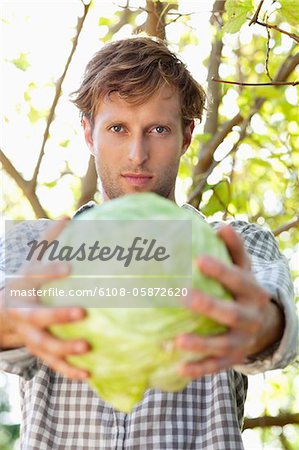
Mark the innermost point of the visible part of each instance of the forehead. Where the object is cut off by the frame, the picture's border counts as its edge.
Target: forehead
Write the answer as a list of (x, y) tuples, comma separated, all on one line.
[(165, 102)]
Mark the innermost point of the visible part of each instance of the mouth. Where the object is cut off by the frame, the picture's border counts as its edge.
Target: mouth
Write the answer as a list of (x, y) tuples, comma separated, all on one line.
[(137, 179)]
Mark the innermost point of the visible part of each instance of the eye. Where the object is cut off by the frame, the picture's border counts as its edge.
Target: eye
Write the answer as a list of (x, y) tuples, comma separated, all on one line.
[(160, 129), (117, 128)]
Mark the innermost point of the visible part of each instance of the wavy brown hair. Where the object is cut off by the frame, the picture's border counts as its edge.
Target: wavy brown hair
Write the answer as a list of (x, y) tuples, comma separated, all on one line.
[(137, 68)]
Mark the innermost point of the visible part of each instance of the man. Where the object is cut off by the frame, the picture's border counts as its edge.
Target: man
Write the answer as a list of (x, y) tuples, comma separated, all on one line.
[(138, 105)]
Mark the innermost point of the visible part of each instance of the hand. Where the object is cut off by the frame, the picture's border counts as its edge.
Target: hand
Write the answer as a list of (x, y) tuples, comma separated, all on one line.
[(30, 320), (253, 321)]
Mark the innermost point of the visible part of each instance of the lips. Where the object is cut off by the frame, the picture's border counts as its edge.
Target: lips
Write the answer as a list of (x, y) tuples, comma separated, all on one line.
[(137, 179)]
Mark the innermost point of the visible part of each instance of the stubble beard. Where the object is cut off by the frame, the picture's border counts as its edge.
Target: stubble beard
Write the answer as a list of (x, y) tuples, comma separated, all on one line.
[(113, 189)]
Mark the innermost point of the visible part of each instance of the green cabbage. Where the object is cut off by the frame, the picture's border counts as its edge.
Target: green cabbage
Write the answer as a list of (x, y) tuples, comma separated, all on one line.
[(132, 348)]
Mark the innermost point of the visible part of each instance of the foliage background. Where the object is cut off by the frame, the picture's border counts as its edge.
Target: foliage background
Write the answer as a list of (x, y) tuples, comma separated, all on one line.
[(243, 162)]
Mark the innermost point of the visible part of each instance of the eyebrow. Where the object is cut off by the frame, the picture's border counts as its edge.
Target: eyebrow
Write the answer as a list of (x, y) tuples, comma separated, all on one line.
[(159, 121)]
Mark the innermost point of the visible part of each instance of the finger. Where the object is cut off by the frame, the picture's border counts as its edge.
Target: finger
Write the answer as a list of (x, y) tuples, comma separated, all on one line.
[(35, 269), (232, 314), (219, 346), (33, 275), (237, 281), (59, 365), (210, 365), (53, 351), (235, 246), (44, 317), (40, 340)]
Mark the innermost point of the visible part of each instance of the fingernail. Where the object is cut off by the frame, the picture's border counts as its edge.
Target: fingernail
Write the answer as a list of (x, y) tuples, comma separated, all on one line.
[(180, 341), (81, 347), (84, 376), (207, 261), (75, 314)]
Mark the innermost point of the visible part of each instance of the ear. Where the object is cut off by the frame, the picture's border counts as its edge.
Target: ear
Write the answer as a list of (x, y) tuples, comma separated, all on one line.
[(88, 134), (187, 137)]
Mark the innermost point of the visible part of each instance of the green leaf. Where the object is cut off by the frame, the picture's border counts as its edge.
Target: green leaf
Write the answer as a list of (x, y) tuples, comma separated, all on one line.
[(269, 92), (261, 162), (35, 115), (290, 11), (27, 96), (65, 143), (244, 103), (205, 137), (237, 14), (185, 170), (21, 62), (219, 200), (104, 21), (27, 93), (50, 184), (188, 39)]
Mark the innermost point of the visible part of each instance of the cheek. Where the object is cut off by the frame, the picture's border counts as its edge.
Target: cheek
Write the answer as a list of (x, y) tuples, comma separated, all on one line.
[(102, 148), (108, 161), (171, 149)]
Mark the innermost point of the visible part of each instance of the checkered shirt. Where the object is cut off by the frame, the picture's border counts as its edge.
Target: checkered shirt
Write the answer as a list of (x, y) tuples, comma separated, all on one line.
[(61, 414)]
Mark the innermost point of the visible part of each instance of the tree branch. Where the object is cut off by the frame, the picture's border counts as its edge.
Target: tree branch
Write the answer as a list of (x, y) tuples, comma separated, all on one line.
[(58, 87), (204, 177), (206, 162), (211, 123), (275, 27), (124, 19), (287, 226), (256, 14), (12, 171), (25, 185), (287, 67), (29, 187), (285, 442), (268, 51), (273, 83), (88, 183), (205, 156), (271, 421), (212, 120), (255, 20), (155, 23)]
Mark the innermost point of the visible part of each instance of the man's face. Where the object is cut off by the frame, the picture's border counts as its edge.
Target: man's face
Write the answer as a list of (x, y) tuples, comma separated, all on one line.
[(137, 148)]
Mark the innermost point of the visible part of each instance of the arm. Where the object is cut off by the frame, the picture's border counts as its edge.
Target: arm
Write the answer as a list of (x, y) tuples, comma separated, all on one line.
[(254, 321), (24, 323), (272, 272)]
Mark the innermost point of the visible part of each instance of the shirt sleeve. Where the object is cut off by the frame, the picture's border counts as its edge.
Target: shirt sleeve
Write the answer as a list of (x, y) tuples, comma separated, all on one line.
[(13, 247), (272, 272), (19, 362)]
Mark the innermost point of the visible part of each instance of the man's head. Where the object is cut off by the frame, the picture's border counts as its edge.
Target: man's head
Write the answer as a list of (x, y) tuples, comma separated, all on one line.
[(138, 104)]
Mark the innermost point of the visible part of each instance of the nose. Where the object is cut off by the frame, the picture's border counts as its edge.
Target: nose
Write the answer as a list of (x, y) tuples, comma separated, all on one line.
[(138, 152)]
